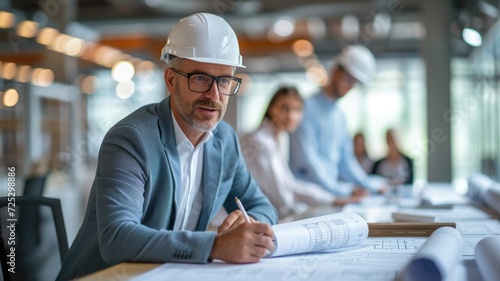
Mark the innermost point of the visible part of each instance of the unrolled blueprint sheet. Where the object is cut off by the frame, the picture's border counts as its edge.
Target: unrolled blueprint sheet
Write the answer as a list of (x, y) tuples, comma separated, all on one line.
[(479, 227), (367, 263), (333, 231), (378, 259)]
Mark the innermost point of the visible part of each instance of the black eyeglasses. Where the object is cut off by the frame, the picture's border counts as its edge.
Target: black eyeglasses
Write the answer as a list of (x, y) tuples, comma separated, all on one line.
[(201, 83)]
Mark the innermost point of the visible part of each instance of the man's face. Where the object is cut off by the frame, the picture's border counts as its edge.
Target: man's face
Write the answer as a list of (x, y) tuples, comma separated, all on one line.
[(200, 111), (342, 82)]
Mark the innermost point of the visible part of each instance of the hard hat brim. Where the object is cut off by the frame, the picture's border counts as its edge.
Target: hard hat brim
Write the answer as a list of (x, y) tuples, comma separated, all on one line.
[(217, 61)]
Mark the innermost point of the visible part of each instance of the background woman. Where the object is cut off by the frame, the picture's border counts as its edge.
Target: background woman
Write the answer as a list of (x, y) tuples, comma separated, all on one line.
[(263, 152)]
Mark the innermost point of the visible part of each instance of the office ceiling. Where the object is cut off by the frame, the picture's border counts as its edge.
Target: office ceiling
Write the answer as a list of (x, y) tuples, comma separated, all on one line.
[(390, 28)]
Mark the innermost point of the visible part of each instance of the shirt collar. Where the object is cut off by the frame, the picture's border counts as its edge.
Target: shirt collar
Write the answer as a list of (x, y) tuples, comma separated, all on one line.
[(181, 138)]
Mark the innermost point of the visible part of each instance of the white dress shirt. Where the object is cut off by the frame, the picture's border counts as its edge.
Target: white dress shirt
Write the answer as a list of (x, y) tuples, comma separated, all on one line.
[(267, 165), (191, 160)]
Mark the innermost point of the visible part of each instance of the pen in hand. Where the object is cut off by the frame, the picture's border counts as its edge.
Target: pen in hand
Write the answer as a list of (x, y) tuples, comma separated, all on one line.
[(242, 209)]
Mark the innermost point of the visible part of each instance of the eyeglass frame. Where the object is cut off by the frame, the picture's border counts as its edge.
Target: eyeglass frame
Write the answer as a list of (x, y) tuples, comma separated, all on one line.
[(214, 78)]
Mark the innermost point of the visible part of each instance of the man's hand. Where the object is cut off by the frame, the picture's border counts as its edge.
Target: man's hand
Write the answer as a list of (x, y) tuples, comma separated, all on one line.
[(233, 219), (384, 189), (359, 192), (243, 243)]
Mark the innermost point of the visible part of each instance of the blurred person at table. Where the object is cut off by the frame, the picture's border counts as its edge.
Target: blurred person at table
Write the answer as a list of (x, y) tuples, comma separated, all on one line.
[(263, 152), (360, 152), (166, 169), (321, 149), (396, 167)]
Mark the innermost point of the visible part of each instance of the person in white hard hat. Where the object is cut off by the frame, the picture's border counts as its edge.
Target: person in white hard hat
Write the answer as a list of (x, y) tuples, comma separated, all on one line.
[(321, 149), (166, 169)]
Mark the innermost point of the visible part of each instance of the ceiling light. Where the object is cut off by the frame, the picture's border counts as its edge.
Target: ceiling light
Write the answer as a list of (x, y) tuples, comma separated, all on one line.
[(7, 19), (42, 77), (317, 75), (27, 29), (10, 97), (47, 35), (23, 75), (74, 47), (350, 26), (9, 70), (472, 37), (60, 42), (122, 71), (381, 25), (284, 27), (303, 48)]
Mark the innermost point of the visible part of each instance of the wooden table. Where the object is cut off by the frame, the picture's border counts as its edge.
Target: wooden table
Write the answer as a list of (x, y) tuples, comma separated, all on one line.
[(122, 271)]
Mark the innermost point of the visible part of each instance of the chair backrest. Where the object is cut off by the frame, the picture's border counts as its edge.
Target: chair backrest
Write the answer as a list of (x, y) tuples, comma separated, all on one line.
[(16, 250), (34, 186)]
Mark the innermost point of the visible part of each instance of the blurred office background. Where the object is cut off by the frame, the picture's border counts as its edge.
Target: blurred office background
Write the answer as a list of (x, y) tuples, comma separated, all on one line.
[(71, 69)]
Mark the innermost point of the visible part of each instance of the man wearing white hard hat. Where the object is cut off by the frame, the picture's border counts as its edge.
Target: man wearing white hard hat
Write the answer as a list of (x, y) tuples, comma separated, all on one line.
[(166, 169), (321, 150)]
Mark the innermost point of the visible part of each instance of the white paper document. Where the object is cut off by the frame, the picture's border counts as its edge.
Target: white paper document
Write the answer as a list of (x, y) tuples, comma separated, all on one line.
[(457, 213), (341, 230), (436, 195)]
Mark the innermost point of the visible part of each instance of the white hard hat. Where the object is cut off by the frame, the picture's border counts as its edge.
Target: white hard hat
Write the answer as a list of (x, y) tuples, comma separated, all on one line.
[(358, 61), (205, 38)]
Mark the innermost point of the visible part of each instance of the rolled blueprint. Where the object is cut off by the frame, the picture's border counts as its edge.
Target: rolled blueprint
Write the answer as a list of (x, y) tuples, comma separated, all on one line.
[(492, 198), (485, 191), (487, 254), (437, 258), (477, 186)]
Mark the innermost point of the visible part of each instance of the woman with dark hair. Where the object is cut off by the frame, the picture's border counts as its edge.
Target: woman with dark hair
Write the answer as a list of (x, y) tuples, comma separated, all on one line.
[(361, 154), (396, 167), (263, 152)]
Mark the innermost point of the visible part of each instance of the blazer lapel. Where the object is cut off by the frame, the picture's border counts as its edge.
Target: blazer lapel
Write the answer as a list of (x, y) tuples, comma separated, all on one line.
[(168, 139)]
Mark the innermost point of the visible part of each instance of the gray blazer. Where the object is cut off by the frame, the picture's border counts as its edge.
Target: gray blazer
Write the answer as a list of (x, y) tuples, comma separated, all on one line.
[(135, 195)]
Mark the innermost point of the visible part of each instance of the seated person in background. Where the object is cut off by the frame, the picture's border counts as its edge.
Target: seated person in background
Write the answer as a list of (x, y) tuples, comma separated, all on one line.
[(396, 167), (361, 154), (263, 154)]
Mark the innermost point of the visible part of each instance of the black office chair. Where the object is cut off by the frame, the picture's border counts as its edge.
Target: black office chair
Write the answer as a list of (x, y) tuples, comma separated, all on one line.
[(32, 262), (34, 185)]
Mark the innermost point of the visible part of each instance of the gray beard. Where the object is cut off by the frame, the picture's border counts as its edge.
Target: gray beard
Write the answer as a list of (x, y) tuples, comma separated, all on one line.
[(187, 113)]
